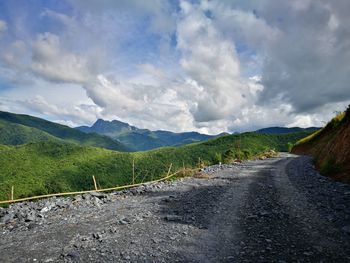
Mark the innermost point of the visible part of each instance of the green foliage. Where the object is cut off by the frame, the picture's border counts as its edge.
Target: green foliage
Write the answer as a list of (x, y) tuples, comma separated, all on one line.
[(330, 167), (56, 166), (217, 158), (16, 134), (310, 138), (290, 146)]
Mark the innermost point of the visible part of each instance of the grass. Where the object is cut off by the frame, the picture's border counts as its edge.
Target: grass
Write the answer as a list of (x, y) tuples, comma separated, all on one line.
[(330, 167), (54, 166), (310, 138)]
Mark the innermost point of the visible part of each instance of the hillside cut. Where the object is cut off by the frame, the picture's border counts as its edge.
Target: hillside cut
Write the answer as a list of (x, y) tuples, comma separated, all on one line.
[(330, 147)]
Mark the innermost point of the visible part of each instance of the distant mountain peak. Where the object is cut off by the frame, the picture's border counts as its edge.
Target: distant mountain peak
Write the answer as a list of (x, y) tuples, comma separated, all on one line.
[(142, 139), (112, 122)]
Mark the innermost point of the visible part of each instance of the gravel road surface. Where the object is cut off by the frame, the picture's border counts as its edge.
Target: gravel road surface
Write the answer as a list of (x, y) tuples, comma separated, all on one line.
[(272, 210)]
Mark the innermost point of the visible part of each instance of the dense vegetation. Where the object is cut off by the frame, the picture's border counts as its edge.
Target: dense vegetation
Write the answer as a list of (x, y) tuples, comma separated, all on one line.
[(331, 147), (16, 134), (30, 129), (142, 139), (54, 166)]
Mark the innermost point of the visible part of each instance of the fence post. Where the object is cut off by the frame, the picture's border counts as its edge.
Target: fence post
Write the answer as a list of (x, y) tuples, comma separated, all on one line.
[(133, 171), (183, 169), (95, 184), (169, 169), (12, 192)]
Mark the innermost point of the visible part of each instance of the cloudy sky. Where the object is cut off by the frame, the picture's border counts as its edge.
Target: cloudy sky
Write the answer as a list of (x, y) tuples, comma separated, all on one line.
[(209, 66)]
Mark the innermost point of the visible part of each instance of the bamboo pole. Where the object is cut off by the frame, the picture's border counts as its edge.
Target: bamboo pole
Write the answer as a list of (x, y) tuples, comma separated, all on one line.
[(183, 168), (199, 162), (12, 192), (95, 184), (133, 171), (169, 169)]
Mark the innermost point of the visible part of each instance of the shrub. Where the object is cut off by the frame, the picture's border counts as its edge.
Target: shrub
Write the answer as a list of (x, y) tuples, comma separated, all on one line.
[(217, 158), (330, 167)]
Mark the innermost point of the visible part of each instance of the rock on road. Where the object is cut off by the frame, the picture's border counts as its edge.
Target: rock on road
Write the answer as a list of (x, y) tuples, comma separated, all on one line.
[(277, 210)]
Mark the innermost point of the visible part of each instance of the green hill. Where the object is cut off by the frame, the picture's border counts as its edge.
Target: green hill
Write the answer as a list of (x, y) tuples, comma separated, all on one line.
[(16, 134), (52, 166), (142, 139), (32, 129)]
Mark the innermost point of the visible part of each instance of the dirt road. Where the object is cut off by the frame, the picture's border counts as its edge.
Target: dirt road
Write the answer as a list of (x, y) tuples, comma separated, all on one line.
[(277, 210)]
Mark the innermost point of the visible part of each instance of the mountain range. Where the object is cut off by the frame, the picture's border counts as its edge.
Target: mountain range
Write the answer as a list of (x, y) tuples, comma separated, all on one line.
[(143, 139), (17, 129)]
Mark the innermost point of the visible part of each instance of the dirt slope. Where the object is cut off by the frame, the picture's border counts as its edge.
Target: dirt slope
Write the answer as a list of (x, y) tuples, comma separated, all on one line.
[(331, 148)]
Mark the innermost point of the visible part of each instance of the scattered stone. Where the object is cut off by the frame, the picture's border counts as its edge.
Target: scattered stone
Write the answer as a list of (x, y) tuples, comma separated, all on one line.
[(7, 218), (97, 202), (98, 195), (86, 196), (173, 218), (31, 216), (73, 254), (96, 236), (124, 256), (263, 213), (45, 209), (340, 207), (2, 212), (346, 229), (78, 198), (124, 221)]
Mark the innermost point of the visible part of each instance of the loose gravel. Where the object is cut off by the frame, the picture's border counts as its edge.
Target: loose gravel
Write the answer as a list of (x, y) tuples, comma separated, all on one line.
[(278, 210)]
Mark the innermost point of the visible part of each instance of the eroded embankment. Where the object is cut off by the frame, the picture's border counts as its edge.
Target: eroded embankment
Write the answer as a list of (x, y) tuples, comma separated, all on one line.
[(331, 148)]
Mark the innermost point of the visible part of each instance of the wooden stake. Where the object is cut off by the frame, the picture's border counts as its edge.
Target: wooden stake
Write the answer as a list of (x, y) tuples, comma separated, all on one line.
[(183, 169), (133, 171), (169, 169), (95, 184), (199, 162), (12, 191)]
